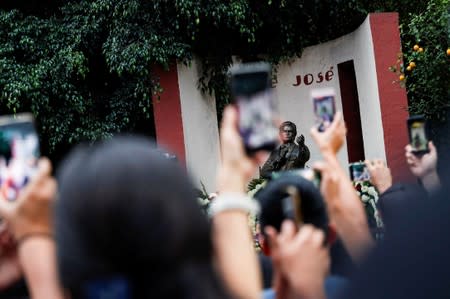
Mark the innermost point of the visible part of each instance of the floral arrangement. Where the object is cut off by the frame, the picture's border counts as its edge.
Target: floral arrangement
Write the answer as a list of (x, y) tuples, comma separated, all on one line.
[(204, 200), (369, 197), (204, 203), (253, 187), (364, 189)]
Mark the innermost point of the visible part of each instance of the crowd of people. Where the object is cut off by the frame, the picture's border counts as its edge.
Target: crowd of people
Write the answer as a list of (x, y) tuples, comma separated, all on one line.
[(119, 220)]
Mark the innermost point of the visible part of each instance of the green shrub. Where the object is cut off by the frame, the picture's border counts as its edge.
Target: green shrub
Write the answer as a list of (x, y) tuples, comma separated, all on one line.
[(426, 65), (84, 68)]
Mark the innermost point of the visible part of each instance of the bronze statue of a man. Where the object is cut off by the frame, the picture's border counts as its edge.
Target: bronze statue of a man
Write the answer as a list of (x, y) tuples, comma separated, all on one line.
[(288, 155)]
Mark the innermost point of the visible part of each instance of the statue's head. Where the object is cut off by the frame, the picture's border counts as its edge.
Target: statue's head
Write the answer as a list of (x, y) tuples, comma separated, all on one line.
[(288, 131)]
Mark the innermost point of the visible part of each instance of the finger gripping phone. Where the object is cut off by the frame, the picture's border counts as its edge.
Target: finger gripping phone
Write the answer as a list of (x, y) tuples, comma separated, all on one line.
[(19, 153), (418, 131), (258, 115), (291, 206)]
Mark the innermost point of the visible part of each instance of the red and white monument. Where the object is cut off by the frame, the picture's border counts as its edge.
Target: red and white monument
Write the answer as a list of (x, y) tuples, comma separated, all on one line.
[(355, 65)]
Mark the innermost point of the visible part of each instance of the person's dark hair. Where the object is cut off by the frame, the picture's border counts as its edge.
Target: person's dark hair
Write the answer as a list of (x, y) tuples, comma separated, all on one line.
[(291, 124), (125, 210)]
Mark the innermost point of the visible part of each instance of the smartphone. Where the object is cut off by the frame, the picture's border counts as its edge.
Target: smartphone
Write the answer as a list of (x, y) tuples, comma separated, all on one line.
[(19, 153), (359, 172), (324, 106), (291, 206), (258, 114), (418, 134)]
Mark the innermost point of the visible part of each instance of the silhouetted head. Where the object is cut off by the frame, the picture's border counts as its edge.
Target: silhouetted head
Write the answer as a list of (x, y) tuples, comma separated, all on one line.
[(124, 210)]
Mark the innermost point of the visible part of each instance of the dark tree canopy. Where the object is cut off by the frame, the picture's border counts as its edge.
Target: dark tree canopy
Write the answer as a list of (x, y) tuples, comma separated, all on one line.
[(84, 68)]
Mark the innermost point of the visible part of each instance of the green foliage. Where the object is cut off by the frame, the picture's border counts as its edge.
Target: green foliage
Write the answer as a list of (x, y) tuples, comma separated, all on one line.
[(84, 72), (428, 83), (84, 68)]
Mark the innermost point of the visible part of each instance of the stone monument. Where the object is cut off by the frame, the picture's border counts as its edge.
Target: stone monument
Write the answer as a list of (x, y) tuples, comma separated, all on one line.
[(289, 154)]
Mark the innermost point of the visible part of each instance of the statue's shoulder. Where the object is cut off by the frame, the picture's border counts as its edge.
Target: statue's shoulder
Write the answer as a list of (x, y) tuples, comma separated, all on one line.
[(295, 147)]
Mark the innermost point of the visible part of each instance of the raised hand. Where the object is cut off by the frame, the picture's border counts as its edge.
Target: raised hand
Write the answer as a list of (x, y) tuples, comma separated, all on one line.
[(331, 140), (345, 209), (300, 259), (10, 270), (31, 212), (380, 174), (237, 168)]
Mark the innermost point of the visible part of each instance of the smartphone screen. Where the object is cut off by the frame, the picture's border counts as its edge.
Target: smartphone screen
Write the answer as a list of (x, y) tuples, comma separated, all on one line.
[(418, 135), (359, 172), (324, 107), (19, 153), (254, 97)]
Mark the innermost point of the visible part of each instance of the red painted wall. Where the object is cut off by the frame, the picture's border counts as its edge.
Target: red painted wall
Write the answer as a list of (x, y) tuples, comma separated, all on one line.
[(167, 114), (393, 100)]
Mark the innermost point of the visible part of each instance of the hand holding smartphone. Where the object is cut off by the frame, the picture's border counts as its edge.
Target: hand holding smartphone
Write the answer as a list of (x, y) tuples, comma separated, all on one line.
[(324, 107), (291, 206), (359, 172), (19, 153), (418, 132), (254, 98)]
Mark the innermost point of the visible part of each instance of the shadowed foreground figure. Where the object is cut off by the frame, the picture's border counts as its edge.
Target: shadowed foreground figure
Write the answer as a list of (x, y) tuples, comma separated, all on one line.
[(130, 224), (288, 155)]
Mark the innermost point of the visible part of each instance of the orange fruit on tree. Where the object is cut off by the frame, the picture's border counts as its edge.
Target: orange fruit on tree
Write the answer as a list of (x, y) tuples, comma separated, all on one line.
[(416, 47), (401, 77), (409, 68), (412, 64), (420, 50), (448, 52)]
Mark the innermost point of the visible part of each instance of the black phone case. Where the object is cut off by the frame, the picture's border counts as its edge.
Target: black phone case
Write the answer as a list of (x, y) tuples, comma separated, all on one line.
[(419, 118)]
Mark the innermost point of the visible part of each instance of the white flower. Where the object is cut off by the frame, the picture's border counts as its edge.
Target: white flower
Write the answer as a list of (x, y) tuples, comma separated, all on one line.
[(365, 198), (375, 197), (372, 191), (358, 193), (203, 201), (364, 189), (378, 219), (251, 220), (252, 192)]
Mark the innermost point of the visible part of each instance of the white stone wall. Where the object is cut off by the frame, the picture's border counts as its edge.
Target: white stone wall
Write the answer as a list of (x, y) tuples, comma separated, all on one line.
[(295, 104), (200, 129)]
